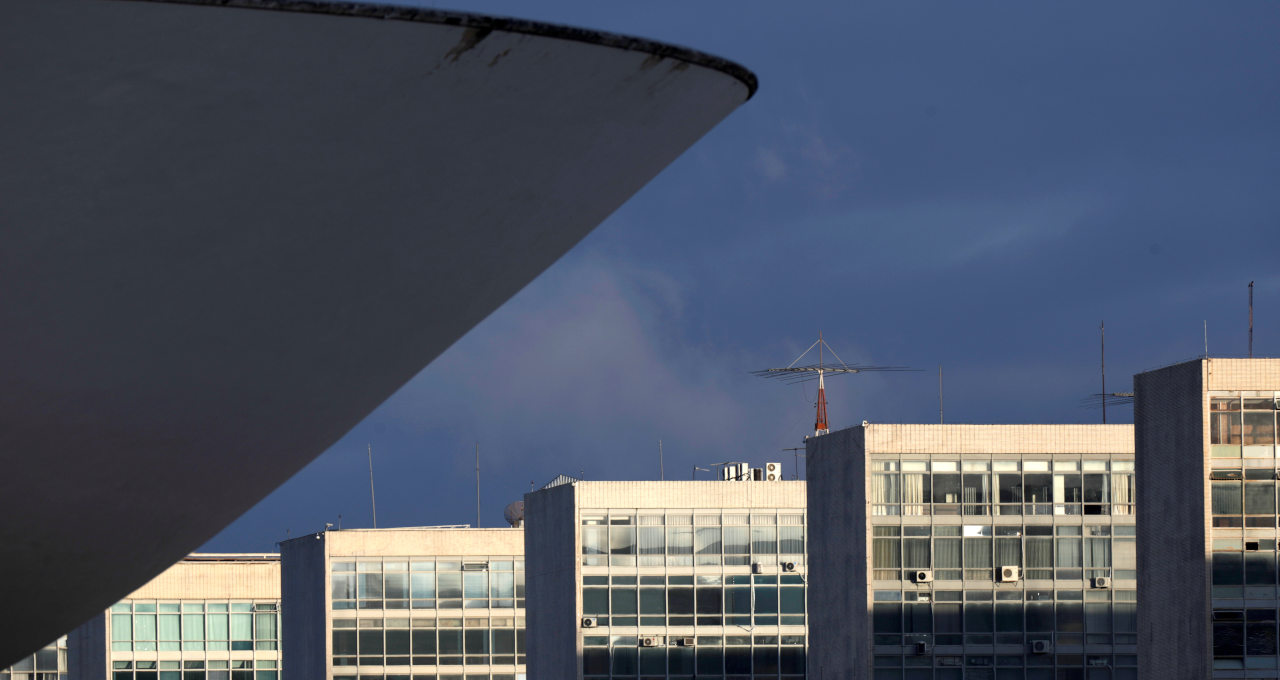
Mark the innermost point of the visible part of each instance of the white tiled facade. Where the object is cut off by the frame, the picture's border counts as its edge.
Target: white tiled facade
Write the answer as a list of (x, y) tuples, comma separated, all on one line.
[(668, 580), (208, 617)]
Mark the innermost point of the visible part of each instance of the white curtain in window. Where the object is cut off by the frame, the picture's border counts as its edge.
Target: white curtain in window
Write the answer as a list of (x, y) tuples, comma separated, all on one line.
[(1097, 553), (650, 540), (170, 627), (679, 541), (1069, 552), (913, 493), (1121, 493)]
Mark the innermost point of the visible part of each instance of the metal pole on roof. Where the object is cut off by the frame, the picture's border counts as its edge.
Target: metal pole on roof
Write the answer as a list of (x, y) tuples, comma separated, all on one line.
[(477, 485), (372, 498)]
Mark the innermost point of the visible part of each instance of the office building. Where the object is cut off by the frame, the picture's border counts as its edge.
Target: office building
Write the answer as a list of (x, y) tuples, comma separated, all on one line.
[(1206, 450), (991, 552), (645, 580), (431, 603), (208, 617), (49, 663)]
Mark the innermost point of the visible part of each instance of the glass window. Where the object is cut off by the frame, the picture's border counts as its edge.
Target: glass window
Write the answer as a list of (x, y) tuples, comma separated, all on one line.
[(1226, 498), (764, 540), (737, 540), (595, 540), (622, 540), (679, 540)]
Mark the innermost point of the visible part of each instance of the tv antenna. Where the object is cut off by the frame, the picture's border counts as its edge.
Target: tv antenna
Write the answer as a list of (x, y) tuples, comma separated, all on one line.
[(804, 373), (1101, 399)]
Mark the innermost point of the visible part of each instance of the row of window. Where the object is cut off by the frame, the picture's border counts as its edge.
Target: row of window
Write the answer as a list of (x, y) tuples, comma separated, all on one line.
[(428, 642), (1244, 638), (199, 627), (1242, 421), (975, 661), (261, 669), (729, 540), (419, 675), (397, 564), (947, 490), (738, 602), (976, 552), (428, 590), (947, 623), (687, 518), (1071, 667), (1250, 502), (709, 657)]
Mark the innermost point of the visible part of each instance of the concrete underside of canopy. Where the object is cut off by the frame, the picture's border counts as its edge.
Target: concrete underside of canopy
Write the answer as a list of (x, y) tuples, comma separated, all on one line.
[(230, 232)]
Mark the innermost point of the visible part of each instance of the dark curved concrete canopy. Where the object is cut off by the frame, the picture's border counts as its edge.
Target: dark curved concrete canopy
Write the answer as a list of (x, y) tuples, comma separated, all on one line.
[(232, 229)]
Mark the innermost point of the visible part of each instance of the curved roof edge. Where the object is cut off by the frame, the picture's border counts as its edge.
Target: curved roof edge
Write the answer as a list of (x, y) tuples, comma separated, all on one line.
[(491, 23)]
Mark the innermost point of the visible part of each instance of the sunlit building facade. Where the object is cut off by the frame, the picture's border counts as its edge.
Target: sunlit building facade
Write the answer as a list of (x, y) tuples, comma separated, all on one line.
[(430, 603), (1208, 465), (648, 580), (208, 617), (988, 552)]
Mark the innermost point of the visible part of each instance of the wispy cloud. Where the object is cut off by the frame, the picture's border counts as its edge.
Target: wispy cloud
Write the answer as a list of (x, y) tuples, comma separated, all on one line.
[(588, 368)]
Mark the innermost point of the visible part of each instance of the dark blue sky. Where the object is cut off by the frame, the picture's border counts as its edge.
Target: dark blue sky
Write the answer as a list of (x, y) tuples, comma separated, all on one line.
[(971, 184)]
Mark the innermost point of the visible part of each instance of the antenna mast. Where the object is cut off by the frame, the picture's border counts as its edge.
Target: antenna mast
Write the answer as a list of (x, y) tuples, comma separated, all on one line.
[(1250, 319), (477, 485), (372, 498), (1102, 329), (662, 474), (793, 374)]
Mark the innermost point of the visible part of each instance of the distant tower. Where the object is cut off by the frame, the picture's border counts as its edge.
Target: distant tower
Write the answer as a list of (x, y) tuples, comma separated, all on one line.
[(820, 425), (793, 373)]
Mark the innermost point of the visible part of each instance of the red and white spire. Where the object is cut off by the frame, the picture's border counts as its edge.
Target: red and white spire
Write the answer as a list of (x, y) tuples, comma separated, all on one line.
[(820, 424)]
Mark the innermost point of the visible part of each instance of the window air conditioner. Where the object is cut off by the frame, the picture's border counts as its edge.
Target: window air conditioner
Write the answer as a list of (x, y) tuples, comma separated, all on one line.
[(588, 622), (757, 568), (648, 642), (1010, 574), (685, 642), (1102, 582), (1040, 647), (921, 648), (923, 576), (788, 566)]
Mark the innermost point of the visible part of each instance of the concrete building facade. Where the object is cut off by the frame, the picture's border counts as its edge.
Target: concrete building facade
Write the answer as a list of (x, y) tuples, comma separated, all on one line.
[(208, 617), (1205, 434), (640, 580), (430, 603), (996, 552)]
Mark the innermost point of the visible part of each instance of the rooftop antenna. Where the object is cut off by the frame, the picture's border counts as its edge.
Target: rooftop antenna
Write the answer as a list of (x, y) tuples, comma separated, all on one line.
[(1250, 319), (1104, 397), (662, 475), (795, 451), (804, 373), (1206, 338), (940, 420), (372, 498), (477, 485)]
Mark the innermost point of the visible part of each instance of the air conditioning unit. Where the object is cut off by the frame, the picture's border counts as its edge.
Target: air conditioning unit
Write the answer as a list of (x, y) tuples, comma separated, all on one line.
[(733, 472), (588, 622), (648, 642), (757, 475), (1102, 582), (773, 472), (1010, 574), (1040, 647), (923, 576), (788, 566), (685, 641), (921, 648)]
